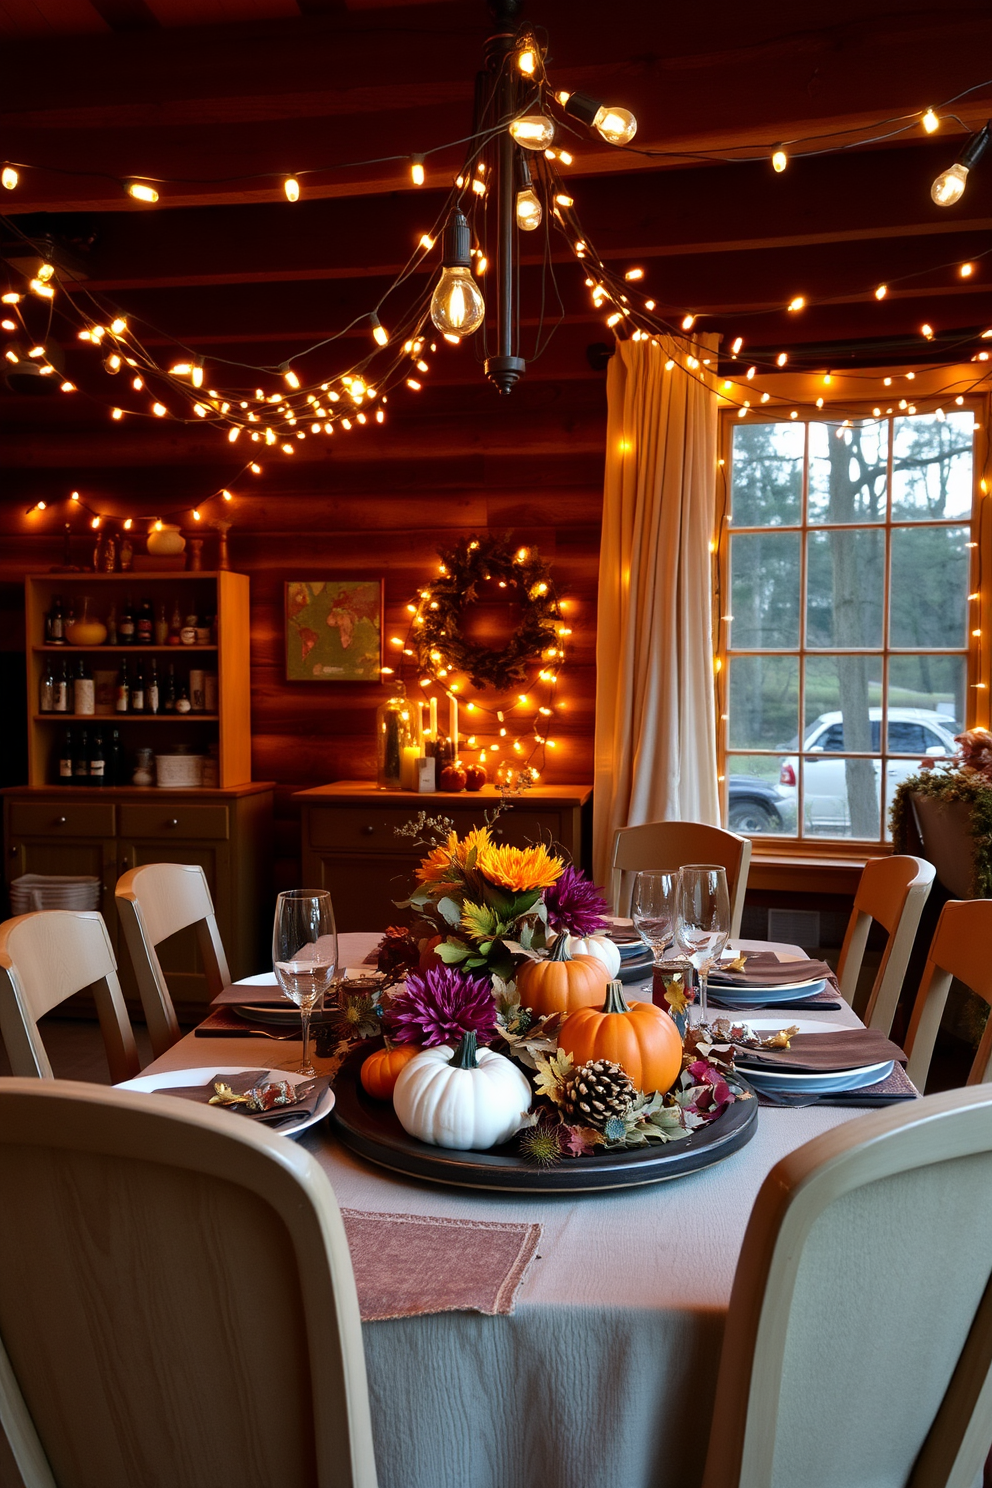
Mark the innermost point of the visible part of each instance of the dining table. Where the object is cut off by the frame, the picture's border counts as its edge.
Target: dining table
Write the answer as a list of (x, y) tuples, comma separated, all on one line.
[(604, 1374)]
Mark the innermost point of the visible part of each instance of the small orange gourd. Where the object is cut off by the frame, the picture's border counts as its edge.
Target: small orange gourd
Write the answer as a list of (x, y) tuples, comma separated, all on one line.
[(381, 1070), (561, 983), (642, 1039)]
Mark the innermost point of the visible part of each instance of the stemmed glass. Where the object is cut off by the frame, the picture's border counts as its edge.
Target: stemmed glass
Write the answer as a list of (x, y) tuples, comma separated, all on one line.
[(652, 907), (304, 954), (702, 922)]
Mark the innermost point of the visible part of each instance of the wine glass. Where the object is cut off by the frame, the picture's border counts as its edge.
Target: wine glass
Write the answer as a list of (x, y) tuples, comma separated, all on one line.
[(652, 907), (702, 922), (304, 954)]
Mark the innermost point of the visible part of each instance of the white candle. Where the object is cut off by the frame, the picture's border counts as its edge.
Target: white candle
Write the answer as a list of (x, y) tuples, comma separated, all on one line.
[(433, 720), (419, 720), (453, 727), (408, 766)]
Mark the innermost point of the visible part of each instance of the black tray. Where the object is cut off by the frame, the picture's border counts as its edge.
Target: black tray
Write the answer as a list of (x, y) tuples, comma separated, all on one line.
[(370, 1128)]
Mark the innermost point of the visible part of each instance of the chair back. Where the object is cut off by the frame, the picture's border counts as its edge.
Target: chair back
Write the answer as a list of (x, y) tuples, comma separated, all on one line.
[(46, 957), (960, 948), (155, 902), (177, 1301), (672, 844), (844, 1361), (892, 891)]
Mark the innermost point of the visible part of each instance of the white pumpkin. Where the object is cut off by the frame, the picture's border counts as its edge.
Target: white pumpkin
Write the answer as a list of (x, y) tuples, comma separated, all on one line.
[(601, 947), (464, 1098)]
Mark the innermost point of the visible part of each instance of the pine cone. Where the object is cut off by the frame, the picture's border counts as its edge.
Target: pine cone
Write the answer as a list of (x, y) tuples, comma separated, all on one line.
[(595, 1093)]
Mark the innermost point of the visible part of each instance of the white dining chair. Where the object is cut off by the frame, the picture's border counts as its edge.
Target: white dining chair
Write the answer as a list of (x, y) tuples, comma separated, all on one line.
[(961, 948), (154, 902), (177, 1300), (892, 891), (672, 844), (858, 1344), (46, 957)]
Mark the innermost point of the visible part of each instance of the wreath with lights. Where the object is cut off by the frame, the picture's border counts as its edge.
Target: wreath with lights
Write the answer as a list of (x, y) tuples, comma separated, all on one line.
[(439, 640)]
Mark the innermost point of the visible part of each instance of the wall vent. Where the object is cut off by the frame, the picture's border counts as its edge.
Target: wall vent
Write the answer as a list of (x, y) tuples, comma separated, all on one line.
[(796, 926)]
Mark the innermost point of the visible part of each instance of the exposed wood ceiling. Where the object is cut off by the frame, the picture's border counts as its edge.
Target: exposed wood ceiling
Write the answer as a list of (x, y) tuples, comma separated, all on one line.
[(109, 88)]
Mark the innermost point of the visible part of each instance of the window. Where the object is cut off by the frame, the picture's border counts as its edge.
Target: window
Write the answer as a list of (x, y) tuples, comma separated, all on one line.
[(849, 633)]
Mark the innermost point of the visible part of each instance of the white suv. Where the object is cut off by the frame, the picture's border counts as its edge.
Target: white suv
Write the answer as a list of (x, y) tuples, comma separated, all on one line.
[(915, 731)]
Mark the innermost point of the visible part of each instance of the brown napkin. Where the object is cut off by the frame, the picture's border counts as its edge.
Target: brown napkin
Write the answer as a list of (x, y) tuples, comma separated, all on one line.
[(281, 1116), (410, 1264), (764, 969), (822, 1053), (269, 994), (224, 1022)]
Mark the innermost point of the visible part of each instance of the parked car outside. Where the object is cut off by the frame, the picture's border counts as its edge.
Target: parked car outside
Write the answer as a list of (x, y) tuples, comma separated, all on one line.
[(913, 731), (755, 805)]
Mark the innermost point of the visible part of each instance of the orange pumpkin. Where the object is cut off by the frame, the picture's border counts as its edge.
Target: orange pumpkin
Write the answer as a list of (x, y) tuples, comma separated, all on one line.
[(643, 1039), (562, 983), (381, 1070)]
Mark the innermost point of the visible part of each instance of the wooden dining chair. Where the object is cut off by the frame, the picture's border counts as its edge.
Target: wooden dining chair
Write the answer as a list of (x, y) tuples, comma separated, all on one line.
[(960, 948), (177, 1300), (858, 1344), (672, 844), (46, 957), (155, 902), (892, 891)]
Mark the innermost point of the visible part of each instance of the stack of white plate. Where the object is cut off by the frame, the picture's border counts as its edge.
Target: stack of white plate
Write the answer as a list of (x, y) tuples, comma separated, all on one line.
[(54, 891)]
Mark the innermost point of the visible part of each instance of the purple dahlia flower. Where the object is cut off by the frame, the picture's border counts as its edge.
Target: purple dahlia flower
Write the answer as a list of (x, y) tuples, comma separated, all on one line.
[(575, 905), (441, 1005)]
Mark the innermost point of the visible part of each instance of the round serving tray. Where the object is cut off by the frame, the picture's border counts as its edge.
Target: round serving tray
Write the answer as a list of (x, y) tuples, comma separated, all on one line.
[(370, 1128)]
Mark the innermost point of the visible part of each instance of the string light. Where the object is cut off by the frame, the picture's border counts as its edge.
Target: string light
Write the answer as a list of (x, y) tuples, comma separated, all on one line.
[(291, 186), (779, 160), (798, 303), (379, 333), (417, 170), (9, 177), (949, 186), (881, 291), (930, 121), (966, 270), (141, 191)]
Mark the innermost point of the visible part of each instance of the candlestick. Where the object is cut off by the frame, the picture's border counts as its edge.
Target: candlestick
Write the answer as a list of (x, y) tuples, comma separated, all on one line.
[(433, 706), (408, 766), (453, 727), (418, 720)]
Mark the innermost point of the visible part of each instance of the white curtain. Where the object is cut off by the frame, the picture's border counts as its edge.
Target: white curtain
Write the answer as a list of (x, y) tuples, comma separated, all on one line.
[(655, 715)]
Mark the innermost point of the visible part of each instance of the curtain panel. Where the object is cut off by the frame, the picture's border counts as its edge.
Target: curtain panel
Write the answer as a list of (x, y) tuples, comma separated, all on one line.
[(655, 715)]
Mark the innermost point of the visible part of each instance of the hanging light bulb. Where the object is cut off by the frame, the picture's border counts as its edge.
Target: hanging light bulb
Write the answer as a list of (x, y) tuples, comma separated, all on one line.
[(379, 333), (930, 121), (533, 131), (617, 126), (141, 191), (527, 59), (291, 186), (528, 203), (779, 160), (9, 177), (949, 185), (289, 375), (417, 169), (457, 305)]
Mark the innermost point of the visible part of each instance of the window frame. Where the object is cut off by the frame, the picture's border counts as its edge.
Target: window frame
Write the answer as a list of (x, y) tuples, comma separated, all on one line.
[(978, 670)]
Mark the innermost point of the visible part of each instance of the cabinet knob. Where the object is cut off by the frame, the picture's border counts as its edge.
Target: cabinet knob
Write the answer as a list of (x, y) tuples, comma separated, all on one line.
[(14, 851), (60, 821), (367, 831), (173, 823)]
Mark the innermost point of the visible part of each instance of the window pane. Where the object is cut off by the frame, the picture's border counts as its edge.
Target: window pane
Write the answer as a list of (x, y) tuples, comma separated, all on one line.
[(757, 801), (764, 702), (929, 586), (841, 796), (764, 590), (848, 468), (767, 475), (931, 467), (931, 690), (844, 588), (843, 704)]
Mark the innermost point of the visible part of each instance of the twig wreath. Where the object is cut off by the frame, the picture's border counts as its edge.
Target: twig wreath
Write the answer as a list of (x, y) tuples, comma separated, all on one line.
[(439, 639)]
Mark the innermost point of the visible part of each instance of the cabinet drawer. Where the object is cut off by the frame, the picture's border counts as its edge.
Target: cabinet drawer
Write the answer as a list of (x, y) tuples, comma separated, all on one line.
[(174, 821), (367, 827), (53, 819)]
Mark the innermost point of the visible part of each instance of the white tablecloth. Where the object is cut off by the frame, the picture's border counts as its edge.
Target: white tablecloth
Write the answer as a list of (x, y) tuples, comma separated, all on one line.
[(604, 1376)]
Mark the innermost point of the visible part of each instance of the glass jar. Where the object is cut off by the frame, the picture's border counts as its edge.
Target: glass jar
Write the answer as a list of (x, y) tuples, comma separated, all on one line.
[(85, 630), (394, 731), (144, 771)]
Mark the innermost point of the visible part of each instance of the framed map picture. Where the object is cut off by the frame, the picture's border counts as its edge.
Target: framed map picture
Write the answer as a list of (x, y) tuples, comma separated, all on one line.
[(334, 630)]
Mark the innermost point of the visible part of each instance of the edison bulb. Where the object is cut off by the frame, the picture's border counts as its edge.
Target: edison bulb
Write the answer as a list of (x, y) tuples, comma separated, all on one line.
[(141, 191), (534, 131), (457, 306), (9, 177), (617, 125), (949, 185), (529, 212)]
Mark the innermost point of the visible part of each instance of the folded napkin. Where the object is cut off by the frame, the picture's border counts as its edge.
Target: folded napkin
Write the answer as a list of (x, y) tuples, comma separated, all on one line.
[(224, 1022), (764, 969), (280, 1116), (823, 1053), (827, 1001), (410, 1264), (266, 994), (894, 1088)]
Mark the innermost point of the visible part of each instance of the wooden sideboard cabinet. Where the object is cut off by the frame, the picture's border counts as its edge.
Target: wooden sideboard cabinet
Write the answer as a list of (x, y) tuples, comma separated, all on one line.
[(104, 831), (350, 844)]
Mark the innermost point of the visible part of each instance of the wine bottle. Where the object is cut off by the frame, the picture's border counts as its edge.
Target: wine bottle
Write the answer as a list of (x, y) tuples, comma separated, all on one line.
[(145, 623), (83, 691), (115, 760), (56, 623), (125, 630), (123, 703), (161, 626), (98, 762), (175, 626), (169, 705), (66, 759), (138, 690), (151, 692), (112, 626), (46, 690), (62, 690), (81, 760)]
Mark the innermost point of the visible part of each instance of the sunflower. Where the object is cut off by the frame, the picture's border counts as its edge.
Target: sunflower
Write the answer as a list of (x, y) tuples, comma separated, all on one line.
[(478, 838), (519, 868), (446, 864)]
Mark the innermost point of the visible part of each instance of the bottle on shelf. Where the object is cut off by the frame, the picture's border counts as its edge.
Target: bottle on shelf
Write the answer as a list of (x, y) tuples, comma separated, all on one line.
[(62, 690), (112, 626), (81, 760), (138, 690), (126, 628), (169, 702), (161, 625), (175, 626), (123, 700), (55, 623), (115, 760), (151, 691), (145, 624), (46, 689), (97, 761), (83, 690), (126, 553), (66, 759), (188, 633), (183, 704)]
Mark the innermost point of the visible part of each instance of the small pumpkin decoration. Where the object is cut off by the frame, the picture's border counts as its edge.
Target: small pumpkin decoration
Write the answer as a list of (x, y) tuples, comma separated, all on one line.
[(562, 982), (381, 1070), (641, 1038), (466, 1098), (601, 947)]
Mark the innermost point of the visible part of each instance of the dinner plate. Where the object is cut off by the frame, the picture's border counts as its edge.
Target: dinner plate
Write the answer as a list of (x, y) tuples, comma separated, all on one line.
[(280, 1012), (802, 1082), (764, 996), (168, 1079)]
